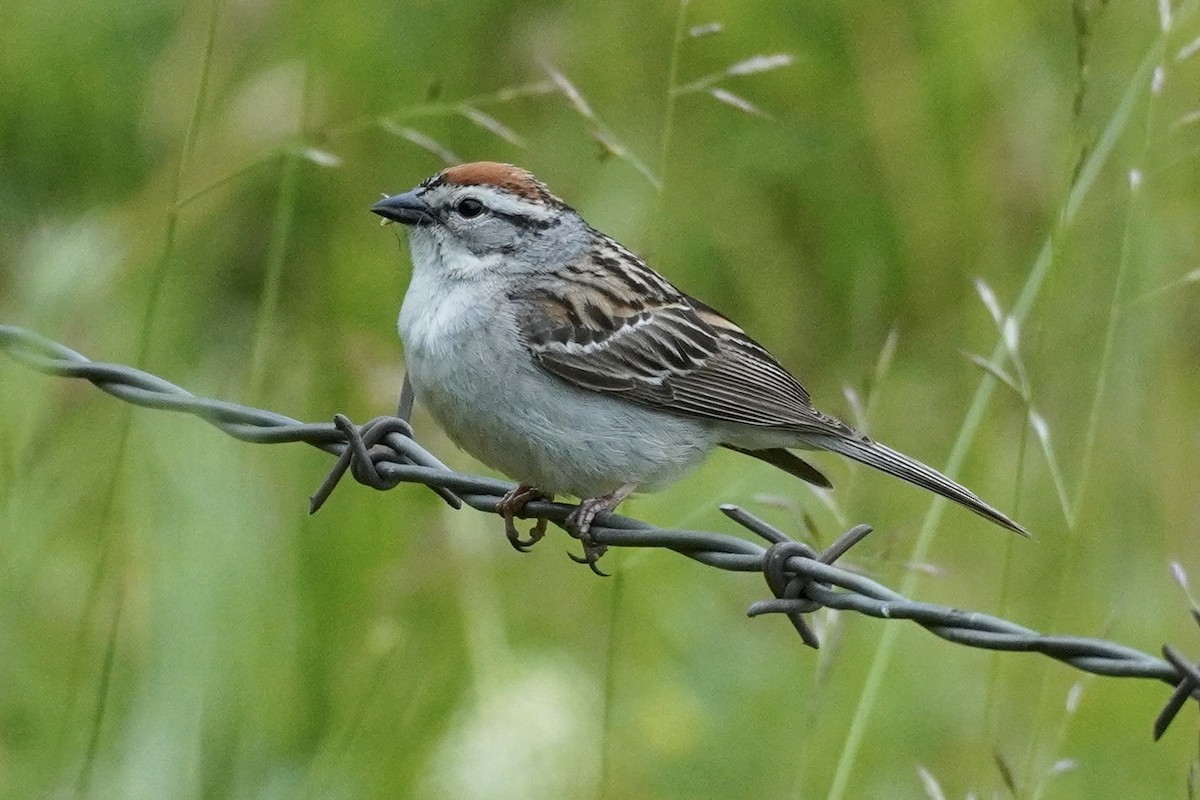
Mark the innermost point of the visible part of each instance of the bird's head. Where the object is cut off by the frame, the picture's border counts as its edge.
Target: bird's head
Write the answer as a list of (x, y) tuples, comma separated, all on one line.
[(485, 215)]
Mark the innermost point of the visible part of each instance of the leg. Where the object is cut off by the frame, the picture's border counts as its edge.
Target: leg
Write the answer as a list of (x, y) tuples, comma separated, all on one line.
[(579, 524), (510, 505)]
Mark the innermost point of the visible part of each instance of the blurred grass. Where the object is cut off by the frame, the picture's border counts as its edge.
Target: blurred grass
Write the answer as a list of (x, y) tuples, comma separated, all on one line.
[(205, 638)]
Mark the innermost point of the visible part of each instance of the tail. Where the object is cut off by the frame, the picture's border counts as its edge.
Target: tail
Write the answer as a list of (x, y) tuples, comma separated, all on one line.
[(789, 462), (885, 459)]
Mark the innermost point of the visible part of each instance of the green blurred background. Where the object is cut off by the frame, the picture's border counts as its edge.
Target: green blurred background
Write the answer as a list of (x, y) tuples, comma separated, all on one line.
[(184, 186)]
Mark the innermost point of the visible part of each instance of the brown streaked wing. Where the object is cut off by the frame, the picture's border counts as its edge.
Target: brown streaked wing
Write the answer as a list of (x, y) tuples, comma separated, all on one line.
[(599, 340), (666, 352), (732, 330), (743, 384)]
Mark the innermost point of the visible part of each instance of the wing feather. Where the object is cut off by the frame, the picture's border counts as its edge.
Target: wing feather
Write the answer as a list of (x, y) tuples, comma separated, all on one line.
[(610, 324), (659, 347)]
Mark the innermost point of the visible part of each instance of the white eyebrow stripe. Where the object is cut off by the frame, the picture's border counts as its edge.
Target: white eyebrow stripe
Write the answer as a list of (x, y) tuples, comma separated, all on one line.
[(497, 200)]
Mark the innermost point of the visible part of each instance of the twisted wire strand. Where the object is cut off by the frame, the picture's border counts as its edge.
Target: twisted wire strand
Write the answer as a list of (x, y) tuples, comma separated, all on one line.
[(383, 454)]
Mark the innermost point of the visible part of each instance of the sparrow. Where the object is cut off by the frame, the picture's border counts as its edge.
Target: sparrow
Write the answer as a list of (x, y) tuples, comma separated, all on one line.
[(553, 354)]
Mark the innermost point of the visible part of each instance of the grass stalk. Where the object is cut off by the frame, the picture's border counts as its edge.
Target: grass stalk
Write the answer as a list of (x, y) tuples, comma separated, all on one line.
[(668, 125), (104, 518), (610, 661), (604, 770), (1117, 124), (277, 249)]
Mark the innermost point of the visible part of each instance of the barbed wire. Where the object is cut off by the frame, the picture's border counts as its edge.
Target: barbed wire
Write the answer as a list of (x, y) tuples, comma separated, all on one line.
[(383, 454)]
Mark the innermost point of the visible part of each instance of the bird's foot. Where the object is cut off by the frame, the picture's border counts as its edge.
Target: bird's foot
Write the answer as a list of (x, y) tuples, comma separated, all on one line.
[(579, 525), (512, 504)]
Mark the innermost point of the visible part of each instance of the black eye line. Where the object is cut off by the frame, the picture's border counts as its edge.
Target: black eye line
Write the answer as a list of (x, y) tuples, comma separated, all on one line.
[(519, 220), (528, 222)]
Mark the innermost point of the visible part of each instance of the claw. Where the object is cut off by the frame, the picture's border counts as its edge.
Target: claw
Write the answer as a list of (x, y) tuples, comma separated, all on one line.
[(510, 505), (590, 557), (579, 525), (514, 536)]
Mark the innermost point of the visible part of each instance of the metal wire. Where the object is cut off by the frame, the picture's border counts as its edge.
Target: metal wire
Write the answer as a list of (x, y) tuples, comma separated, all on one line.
[(382, 454)]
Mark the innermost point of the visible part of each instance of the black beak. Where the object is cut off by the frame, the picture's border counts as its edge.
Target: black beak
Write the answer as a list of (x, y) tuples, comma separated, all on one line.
[(408, 208)]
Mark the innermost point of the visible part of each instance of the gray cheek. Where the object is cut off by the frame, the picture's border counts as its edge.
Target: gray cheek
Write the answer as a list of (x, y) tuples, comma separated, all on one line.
[(549, 249), (494, 236)]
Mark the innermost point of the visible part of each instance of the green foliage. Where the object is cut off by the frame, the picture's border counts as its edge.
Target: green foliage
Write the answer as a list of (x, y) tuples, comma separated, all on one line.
[(980, 218)]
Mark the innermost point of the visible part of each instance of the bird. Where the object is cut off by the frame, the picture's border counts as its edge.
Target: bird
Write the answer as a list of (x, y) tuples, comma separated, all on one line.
[(555, 355)]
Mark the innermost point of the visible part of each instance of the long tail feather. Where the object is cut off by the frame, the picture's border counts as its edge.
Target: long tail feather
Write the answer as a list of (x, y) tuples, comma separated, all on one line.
[(885, 459)]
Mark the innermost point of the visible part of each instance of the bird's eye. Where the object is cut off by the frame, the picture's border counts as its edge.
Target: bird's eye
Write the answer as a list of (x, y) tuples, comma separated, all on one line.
[(469, 207)]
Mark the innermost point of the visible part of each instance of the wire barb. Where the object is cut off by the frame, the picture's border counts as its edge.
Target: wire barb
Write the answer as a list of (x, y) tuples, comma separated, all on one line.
[(383, 454), (365, 447), (1187, 688), (787, 584)]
